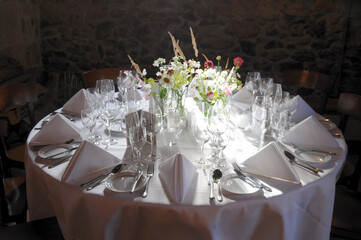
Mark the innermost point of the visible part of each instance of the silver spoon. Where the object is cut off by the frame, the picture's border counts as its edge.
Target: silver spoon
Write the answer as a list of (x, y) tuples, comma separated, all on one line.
[(217, 174)]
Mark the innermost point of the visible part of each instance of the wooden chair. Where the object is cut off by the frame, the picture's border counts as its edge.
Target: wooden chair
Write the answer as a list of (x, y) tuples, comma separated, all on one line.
[(90, 77), (346, 221), (16, 118), (314, 87)]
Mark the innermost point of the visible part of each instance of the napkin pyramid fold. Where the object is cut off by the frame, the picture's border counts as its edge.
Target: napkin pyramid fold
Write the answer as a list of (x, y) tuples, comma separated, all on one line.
[(77, 102), (310, 134), (87, 161), (242, 96), (177, 175), (302, 111), (271, 162), (50, 133)]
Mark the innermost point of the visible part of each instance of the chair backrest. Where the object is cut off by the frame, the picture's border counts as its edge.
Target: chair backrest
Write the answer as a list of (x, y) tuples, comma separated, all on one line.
[(310, 80), (349, 104), (90, 77), (16, 95)]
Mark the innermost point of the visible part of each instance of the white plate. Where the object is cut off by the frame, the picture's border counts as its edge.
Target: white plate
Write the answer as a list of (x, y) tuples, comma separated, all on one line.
[(234, 184), (328, 125), (312, 156), (45, 152), (123, 182)]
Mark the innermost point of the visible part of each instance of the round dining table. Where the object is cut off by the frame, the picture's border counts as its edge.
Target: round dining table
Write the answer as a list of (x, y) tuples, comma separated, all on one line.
[(292, 210)]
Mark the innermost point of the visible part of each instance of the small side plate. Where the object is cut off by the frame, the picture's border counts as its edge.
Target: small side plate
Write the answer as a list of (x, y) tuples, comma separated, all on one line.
[(313, 157), (232, 183), (122, 182), (54, 149)]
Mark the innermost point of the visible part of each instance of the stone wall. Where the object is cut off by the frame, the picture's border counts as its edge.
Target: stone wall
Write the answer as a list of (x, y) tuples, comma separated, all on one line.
[(20, 32), (271, 35)]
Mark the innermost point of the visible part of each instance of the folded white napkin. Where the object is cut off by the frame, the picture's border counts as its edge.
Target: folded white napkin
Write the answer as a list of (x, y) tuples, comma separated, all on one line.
[(310, 134), (177, 174), (57, 130), (87, 161), (271, 162), (76, 103), (242, 96), (303, 110)]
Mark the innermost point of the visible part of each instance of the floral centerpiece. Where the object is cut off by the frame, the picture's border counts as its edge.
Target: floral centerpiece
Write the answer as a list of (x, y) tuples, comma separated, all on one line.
[(207, 84)]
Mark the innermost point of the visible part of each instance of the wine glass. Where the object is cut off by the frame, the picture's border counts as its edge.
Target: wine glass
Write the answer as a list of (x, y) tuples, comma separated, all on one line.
[(259, 118), (109, 112), (130, 120), (137, 138), (153, 122), (221, 143), (123, 82), (106, 88), (218, 119), (277, 93), (89, 121), (252, 84), (201, 134), (266, 86)]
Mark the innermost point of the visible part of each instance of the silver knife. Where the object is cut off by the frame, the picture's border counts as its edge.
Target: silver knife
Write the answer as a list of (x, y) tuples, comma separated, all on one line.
[(136, 180), (249, 180), (57, 154)]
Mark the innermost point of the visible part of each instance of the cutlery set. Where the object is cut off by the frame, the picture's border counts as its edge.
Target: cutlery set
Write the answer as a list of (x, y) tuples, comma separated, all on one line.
[(302, 165), (252, 181), (97, 180)]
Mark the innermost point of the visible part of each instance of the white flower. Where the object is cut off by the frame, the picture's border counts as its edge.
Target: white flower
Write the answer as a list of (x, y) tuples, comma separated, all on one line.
[(159, 62), (144, 72), (166, 80)]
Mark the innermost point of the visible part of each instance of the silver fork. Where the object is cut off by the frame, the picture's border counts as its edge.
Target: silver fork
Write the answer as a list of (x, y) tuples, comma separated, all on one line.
[(150, 173)]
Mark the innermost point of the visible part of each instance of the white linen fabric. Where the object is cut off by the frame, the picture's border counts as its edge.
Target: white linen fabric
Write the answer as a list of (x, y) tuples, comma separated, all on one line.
[(177, 174), (302, 111), (50, 133), (88, 160), (77, 102), (310, 134), (271, 162), (290, 211)]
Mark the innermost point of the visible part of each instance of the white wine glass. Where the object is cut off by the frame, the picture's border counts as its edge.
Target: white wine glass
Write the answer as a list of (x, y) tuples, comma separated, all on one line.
[(89, 121)]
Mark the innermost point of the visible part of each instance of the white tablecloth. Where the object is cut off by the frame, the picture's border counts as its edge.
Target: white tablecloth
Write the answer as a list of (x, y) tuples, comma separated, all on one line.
[(290, 211)]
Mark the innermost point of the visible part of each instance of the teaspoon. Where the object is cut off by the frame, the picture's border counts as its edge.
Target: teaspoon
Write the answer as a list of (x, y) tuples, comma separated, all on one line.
[(217, 174)]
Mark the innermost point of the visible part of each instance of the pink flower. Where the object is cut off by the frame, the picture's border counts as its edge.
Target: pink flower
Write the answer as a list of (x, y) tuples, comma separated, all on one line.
[(208, 64), (238, 61), (170, 71), (210, 96)]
